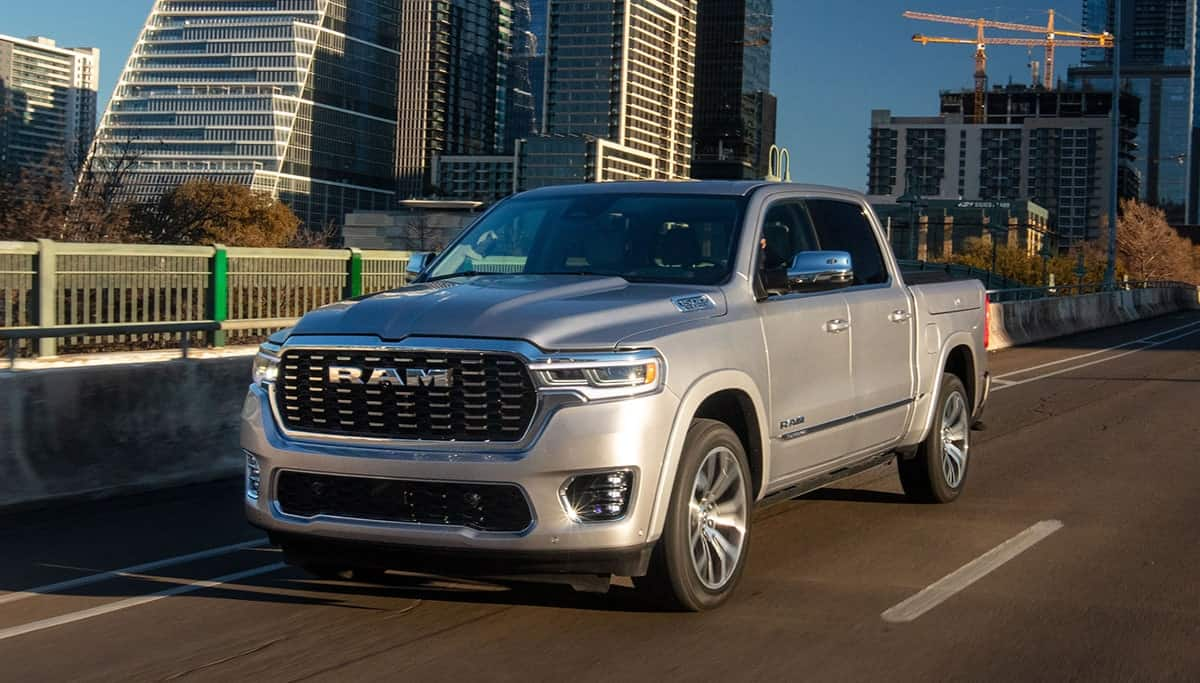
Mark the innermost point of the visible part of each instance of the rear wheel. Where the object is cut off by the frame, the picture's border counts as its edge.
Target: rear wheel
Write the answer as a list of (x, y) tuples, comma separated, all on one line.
[(702, 553), (939, 470)]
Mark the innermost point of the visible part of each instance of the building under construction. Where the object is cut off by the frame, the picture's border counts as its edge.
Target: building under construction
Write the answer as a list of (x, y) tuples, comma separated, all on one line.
[(1052, 147)]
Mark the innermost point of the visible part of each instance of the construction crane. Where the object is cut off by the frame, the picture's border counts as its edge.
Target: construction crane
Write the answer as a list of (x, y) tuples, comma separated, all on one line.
[(1051, 40)]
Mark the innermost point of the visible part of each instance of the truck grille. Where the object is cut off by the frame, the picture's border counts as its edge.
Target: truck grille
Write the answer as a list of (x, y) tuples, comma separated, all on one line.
[(485, 507), (400, 394)]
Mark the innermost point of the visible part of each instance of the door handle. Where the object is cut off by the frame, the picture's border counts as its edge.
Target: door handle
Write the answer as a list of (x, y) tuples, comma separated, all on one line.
[(900, 316), (837, 326)]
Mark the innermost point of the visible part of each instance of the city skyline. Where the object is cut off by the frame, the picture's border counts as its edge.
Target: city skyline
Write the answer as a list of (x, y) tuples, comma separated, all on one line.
[(859, 60)]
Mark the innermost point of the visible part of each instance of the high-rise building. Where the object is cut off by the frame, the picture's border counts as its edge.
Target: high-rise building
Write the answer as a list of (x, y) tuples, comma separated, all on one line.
[(454, 86), (521, 104), (1158, 54), (1049, 147), (47, 104), (623, 71), (734, 107), (294, 97)]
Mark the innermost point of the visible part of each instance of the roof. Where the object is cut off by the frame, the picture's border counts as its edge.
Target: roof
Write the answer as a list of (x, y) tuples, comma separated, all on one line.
[(732, 188)]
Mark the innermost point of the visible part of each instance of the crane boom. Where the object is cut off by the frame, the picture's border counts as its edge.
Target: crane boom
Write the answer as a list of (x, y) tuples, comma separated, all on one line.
[(1051, 40)]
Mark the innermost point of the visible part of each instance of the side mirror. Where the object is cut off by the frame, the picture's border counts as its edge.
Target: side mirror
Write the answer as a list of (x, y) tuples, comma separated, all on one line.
[(820, 270), (419, 262)]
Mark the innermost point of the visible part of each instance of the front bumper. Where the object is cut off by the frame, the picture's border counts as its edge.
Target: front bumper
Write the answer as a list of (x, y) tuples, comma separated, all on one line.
[(573, 439)]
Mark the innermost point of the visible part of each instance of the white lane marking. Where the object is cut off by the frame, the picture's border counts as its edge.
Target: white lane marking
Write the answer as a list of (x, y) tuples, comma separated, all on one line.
[(81, 615), (1016, 383), (127, 571), (1143, 340), (969, 573)]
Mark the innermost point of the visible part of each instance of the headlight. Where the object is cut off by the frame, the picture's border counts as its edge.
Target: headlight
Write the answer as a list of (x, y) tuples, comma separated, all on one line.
[(603, 376), (266, 366)]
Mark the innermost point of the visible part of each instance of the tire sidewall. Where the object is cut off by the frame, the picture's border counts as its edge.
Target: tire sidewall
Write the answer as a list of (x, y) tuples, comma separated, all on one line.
[(936, 449), (703, 437)]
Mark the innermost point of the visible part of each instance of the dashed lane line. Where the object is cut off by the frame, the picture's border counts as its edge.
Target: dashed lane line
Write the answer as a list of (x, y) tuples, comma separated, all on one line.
[(957, 581), (81, 615), (127, 572)]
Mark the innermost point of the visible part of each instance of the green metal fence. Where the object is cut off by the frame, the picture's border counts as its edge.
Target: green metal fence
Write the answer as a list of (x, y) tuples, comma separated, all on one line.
[(247, 293)]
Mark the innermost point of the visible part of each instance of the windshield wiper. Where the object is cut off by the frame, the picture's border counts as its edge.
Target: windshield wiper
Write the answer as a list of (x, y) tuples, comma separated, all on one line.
[(465, 273)]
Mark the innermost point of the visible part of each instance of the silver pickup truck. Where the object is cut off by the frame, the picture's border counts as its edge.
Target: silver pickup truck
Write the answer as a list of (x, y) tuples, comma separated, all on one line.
[(606, 380)]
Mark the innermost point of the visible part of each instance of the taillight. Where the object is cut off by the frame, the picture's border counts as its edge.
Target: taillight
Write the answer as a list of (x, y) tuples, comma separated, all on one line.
[(987, 320)]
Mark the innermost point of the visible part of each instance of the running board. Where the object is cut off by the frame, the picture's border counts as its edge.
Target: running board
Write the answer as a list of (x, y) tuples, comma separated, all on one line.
[(823, 480)]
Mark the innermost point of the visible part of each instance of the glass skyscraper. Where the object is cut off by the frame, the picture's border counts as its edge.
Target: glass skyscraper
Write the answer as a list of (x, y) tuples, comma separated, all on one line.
[(734, 110), (453, 85), (294, 97), (1157, 50)]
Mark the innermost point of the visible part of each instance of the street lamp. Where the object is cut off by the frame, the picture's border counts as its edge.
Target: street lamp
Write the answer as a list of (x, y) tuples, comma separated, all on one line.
[(1046, 253), (997, 233), (1110, 270), (914, 201)]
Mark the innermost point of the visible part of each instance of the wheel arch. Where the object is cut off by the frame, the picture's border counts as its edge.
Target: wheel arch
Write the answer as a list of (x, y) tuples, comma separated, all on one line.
[(728, 396), (958, 357)]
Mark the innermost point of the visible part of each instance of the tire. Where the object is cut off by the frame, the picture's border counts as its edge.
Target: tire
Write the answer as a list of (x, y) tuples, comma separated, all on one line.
[(938, 471), (702, 554)]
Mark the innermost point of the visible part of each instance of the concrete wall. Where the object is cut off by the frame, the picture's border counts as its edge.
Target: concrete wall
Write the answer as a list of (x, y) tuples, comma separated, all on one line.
[(97, 430), (1026, 322)]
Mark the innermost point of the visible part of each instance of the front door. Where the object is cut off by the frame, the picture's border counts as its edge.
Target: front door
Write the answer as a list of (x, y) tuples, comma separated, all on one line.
[(807, 337)]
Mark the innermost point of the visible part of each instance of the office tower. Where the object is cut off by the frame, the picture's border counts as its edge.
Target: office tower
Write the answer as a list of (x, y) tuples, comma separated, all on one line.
[(622, 71), (522, 101), (734, 107), (1049, 147), (294, 97), (47, 105), (453, 84), (1157, 48)]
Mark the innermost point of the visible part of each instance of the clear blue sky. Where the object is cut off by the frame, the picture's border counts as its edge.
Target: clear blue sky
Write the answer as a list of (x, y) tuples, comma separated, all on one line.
[(833, 63)]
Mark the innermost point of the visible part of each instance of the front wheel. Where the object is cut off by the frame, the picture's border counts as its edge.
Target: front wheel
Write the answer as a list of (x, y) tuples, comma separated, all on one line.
[(702, 553), (939, 470)]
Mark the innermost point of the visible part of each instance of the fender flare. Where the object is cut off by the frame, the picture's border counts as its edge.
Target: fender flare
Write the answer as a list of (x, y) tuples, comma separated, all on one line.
[(689, 403), (926, 423)]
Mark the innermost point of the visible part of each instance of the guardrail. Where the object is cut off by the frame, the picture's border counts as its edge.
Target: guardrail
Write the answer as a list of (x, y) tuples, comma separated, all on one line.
[(1031, 293), (89, 297)]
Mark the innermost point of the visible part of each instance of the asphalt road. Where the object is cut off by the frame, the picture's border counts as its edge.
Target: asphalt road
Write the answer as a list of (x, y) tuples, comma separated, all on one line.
[(1101, 440)]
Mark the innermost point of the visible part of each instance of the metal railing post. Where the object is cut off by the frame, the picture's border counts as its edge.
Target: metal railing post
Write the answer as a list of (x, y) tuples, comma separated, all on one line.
[(354, 281), (219, 293), (47, 295)]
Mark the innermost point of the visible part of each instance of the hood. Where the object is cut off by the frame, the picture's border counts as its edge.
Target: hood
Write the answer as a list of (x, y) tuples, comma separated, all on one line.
[(550, 311)]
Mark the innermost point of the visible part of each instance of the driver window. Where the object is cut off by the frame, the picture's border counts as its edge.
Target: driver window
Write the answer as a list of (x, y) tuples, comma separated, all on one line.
[(786, 231)]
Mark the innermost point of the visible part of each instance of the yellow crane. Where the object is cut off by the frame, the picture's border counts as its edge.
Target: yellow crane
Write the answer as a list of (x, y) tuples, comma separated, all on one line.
[(1051, 39)]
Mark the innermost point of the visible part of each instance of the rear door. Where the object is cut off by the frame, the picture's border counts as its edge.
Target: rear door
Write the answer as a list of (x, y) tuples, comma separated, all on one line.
[(881, 325)]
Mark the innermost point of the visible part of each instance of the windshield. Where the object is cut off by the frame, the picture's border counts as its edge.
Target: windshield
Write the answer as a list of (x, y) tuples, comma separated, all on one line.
[(640, 237)]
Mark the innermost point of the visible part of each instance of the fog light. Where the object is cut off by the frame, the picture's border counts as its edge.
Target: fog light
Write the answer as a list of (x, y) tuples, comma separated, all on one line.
[(253, 477), (600, 497)]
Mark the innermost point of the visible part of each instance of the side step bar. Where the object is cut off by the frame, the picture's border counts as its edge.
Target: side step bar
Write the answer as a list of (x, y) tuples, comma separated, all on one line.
[(822, 480)]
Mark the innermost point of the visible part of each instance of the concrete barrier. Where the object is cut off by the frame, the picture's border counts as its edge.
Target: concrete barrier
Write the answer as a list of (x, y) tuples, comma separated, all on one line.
[(99, 430), (1026, 322)]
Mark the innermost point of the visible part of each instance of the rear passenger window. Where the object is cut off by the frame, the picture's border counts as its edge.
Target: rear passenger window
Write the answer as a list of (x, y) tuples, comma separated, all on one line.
[(842, 226)]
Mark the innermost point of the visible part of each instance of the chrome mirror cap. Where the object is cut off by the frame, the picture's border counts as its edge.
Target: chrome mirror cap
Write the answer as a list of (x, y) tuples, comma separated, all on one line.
[(419, 262), (821, 269)]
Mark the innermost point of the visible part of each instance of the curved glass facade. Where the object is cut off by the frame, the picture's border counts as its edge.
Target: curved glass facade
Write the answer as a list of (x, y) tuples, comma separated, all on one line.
[(295, 97)]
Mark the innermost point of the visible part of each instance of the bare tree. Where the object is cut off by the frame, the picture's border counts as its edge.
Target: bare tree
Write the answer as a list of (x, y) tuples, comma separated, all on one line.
[(1149, 247), (421, 235)]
